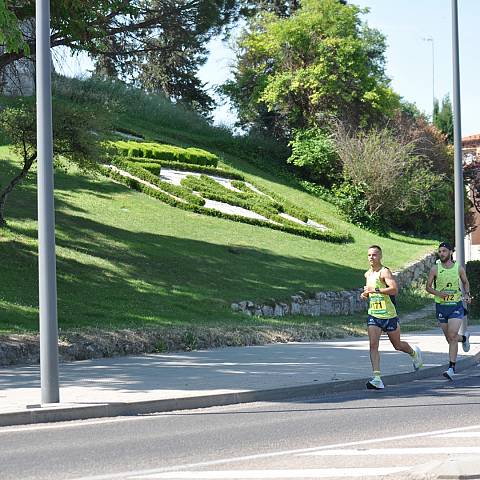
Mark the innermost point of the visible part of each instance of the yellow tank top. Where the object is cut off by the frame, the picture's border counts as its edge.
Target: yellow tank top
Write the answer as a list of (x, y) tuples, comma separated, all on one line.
[(379, 304), (448, 281)]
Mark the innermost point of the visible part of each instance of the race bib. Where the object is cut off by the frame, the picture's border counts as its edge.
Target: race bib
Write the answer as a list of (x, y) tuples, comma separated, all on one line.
[(450, 298), (377, 304)]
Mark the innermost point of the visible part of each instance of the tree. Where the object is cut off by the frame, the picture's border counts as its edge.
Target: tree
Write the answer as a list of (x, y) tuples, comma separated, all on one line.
[(320, 63), (75, 138), (124, 36), (443, 117)]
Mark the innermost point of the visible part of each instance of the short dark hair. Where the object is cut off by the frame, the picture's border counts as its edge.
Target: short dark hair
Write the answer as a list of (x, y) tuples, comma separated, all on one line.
[(375, 246)]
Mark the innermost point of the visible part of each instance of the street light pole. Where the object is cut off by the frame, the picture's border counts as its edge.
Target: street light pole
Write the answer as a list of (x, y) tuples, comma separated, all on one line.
[(46, 216), (430, 39), (458, 158), (457, 140)]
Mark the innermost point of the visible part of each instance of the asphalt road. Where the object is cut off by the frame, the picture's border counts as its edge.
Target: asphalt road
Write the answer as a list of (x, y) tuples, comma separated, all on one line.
[(395, 433)]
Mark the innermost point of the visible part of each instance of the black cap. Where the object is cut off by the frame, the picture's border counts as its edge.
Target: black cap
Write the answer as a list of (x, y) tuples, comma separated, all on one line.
[(447, 245)]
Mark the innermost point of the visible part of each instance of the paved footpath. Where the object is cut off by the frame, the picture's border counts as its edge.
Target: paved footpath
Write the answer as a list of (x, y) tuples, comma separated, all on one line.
[(166, 382)]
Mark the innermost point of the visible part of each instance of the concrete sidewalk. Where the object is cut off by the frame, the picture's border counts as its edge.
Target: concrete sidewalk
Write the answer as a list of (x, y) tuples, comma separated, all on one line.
[(166, 382)]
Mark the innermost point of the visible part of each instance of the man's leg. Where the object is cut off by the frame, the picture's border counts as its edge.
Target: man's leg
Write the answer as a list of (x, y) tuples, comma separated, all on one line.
[(453, 338), (399, 344), (374, 334), (450, 331)]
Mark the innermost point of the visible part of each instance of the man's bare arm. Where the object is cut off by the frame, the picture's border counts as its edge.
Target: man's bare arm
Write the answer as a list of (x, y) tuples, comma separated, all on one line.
[(466, 284)]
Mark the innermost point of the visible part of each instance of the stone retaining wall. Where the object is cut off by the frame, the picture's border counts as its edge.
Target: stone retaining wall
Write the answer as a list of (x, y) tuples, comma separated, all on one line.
[(331, 303)]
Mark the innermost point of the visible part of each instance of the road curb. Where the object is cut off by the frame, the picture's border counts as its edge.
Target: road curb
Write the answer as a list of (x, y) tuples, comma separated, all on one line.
[(54, 413)]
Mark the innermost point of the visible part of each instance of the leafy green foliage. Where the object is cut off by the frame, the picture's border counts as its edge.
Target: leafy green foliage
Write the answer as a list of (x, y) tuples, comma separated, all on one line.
[(443, 117), (75, 138), (10, 34), (146, 175), (473, 273), (188, 167), (314, 152), (391, 185), (353, 203), (164, 152), (319, 63)]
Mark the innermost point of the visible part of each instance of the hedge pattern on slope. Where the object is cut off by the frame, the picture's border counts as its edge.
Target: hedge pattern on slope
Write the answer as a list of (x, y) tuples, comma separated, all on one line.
[(143, 174), (209, 188), (293, 210), (164, 152), (268, 205), (327, 236), (188, 167)]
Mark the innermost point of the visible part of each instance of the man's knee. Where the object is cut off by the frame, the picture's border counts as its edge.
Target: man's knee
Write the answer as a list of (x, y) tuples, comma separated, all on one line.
[(452, 337)]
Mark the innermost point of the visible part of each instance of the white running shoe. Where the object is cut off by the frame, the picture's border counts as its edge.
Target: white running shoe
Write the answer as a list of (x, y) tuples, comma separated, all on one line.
[(417, 358), (450, 373), (466, 343), (375, 384)]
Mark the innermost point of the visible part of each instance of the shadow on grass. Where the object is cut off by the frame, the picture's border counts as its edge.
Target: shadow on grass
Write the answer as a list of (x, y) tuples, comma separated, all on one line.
[(110, 277)]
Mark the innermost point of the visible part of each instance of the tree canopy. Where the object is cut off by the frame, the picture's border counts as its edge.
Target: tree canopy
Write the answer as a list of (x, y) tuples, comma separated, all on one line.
[(321, 62)]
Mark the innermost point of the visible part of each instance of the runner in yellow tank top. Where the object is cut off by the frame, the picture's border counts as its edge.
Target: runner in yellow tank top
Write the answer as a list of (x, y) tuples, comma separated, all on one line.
[(379, 290), (444, 282)]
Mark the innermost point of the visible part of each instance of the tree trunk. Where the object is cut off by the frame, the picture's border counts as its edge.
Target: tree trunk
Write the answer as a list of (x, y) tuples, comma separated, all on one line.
[(12, 184)]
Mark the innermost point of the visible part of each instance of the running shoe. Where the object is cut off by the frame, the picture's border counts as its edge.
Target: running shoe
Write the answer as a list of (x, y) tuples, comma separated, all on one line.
[(375, 384), (466, 343), (417, 358), (450, 373)]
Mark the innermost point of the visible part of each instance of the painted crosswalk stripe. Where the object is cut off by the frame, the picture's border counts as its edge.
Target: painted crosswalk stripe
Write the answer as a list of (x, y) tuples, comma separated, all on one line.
[(261, 474), (393, 451)]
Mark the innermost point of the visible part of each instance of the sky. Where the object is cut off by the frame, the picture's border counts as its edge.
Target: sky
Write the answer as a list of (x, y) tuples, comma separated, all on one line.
[(406, 24)]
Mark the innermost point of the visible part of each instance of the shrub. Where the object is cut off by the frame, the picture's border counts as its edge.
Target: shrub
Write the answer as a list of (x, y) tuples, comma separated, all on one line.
[(473, 273), (164, 152), (353, 203), (189, 167), (314, 152), (176, 190)]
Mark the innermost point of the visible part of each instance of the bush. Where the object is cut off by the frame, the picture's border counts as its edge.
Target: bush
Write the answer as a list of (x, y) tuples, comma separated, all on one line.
[(164, 152), (175, 190), (473, 273), (353, 203), (189, 167), (389, 185), (314, 152)]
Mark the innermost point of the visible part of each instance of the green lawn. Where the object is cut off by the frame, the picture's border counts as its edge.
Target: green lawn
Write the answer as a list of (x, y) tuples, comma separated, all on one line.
[(125, 259)]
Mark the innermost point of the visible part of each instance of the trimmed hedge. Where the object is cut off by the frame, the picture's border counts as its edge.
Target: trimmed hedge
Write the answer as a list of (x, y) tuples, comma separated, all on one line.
[(189, 167), (149, 177), (473, 274), (211, 189), (164, 152), (328, 236)]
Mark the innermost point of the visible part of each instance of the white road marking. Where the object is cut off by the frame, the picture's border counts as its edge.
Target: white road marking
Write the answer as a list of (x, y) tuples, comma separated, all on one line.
[(259, 474), (350, 452), (459, 435), (275, 454)]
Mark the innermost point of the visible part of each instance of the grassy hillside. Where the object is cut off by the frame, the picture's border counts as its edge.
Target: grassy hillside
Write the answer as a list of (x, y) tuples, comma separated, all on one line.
[(125, 259)]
